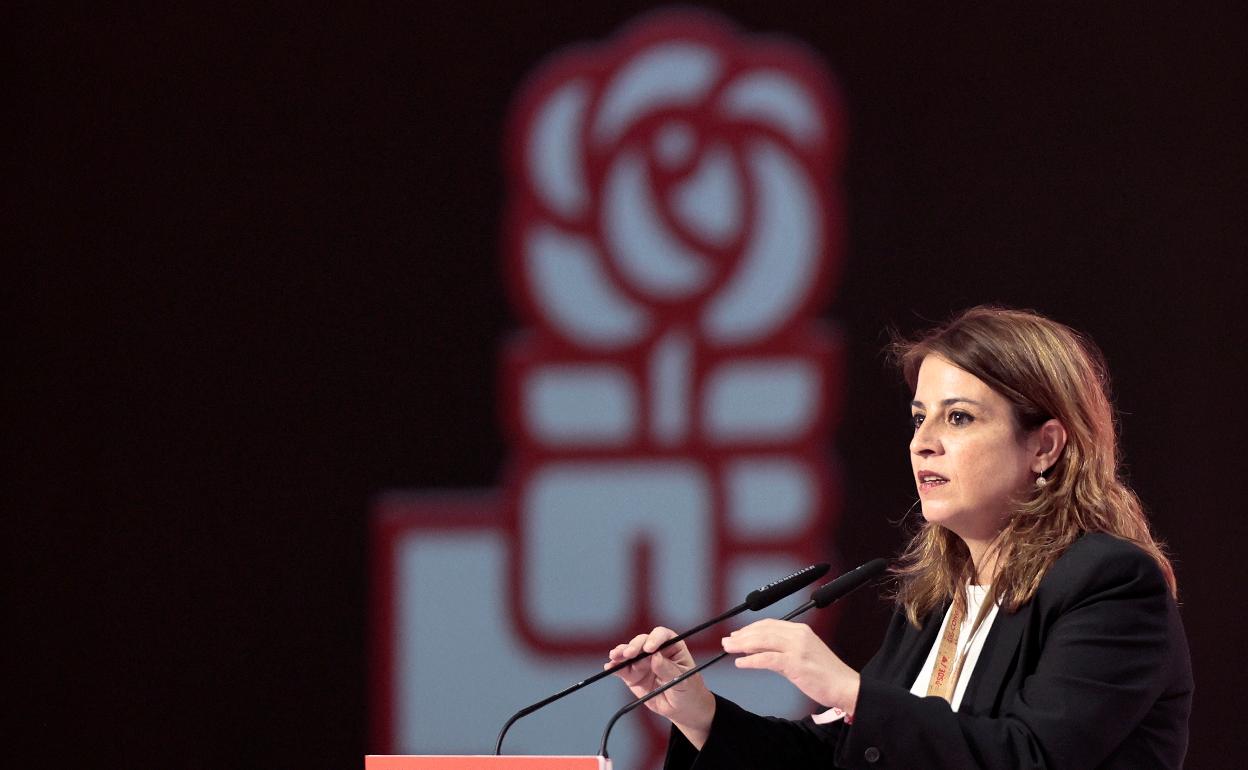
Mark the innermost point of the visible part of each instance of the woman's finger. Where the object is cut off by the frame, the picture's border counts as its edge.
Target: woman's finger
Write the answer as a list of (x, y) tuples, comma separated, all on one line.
[(768, 661), (633, 648), (755, 641), (666, 669), (657, 638), (767, 634)]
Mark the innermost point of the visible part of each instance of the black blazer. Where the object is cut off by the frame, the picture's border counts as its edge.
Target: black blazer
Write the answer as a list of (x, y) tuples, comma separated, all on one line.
[(1094, 672)]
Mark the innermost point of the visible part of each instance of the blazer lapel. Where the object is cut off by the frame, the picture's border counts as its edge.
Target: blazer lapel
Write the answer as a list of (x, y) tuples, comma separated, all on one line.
[(995, 661), (912, 656)]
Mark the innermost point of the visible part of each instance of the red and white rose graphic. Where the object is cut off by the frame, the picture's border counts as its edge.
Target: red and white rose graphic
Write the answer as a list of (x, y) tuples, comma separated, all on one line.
[(680, 175), (673, 226)]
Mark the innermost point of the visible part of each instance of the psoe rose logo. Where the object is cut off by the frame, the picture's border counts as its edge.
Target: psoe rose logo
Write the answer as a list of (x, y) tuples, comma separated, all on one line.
[(680, 176), (673, 226)]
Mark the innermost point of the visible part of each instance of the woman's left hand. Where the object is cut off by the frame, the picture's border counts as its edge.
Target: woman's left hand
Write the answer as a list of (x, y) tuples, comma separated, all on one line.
[(796, 653)]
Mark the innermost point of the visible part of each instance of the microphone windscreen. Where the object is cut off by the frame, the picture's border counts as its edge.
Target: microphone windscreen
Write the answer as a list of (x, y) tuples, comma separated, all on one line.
[(855, 578), (774, 592)]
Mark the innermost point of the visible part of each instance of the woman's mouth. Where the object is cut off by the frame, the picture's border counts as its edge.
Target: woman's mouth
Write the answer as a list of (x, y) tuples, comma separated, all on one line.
[(929, 481)]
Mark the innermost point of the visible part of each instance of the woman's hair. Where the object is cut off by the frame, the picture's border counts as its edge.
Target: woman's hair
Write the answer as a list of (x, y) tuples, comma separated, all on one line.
[(1046, 371)]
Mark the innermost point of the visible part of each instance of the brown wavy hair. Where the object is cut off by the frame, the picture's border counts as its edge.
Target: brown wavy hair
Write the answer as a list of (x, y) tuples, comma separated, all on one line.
[(1046, 371)]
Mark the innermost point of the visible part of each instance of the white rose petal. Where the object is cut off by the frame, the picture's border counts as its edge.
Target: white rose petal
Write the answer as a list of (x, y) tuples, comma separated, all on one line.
[(671, 74), (709, 203), (553, 154), (644, 251), (571, 288), (772, 98), (780, 259)]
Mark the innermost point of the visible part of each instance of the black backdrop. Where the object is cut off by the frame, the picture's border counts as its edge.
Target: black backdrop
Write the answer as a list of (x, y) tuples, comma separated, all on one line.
[(257, 280)]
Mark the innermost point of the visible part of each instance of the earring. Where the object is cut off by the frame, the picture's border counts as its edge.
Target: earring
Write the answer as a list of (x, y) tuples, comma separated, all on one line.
[(1041, 481)]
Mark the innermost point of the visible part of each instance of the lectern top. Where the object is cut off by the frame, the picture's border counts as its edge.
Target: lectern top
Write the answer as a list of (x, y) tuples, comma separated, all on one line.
[(484, 762)]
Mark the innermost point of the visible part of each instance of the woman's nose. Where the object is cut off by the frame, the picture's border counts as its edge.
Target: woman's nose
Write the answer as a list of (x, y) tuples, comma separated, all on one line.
[(925, 441)]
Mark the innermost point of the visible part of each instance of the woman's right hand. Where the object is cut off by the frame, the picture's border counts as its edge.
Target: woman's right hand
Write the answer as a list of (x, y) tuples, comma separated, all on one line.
[(688, 705)]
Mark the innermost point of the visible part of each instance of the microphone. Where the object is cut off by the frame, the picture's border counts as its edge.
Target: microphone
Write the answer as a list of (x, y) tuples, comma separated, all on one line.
[(823, 596), (756, 600), (845, 584)]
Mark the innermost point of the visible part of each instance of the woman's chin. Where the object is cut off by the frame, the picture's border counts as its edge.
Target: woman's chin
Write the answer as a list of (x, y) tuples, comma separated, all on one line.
[(935, 514), (944, 518)]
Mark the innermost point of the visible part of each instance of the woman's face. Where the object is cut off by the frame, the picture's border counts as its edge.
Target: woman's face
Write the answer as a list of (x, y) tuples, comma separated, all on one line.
[(969, 457)]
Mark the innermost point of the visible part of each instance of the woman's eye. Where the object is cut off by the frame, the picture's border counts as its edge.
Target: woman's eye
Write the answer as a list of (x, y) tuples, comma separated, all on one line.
[(960, 418), (916, 420)]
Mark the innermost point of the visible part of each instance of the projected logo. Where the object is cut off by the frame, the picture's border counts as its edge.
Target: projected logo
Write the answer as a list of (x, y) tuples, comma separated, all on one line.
[(673, 227)]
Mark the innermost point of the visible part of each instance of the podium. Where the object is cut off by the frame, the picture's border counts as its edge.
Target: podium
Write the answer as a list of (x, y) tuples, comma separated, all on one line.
[(482, 762)]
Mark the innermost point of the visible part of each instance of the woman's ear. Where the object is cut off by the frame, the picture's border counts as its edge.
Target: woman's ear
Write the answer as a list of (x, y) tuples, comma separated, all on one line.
[(1050, 440)]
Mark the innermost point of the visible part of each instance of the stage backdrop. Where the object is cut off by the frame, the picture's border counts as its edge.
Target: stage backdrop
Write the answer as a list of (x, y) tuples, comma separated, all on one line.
[(340, 327)]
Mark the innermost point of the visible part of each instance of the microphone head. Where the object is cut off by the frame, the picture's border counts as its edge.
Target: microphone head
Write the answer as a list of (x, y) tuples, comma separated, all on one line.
[(774, 592), (850, 581)]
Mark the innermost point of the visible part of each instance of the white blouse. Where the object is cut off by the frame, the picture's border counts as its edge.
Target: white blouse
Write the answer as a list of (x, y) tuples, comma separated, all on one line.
[(975, 596)]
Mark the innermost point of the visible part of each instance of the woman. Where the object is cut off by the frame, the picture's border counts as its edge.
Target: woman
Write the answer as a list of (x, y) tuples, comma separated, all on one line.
[(1036, 623)]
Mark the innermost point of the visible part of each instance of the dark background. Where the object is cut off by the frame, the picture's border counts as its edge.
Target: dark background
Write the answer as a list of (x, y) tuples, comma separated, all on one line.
[(256, 280)]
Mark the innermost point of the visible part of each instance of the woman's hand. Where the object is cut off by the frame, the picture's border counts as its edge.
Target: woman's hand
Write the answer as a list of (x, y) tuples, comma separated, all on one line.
[(796, 653), (688, 705)]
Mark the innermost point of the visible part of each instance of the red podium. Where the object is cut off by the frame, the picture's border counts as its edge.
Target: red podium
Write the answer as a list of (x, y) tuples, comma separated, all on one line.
[(483, 762)]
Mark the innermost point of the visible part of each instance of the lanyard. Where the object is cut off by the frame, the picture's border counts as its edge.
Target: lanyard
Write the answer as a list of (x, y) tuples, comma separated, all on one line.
[(946, 671)]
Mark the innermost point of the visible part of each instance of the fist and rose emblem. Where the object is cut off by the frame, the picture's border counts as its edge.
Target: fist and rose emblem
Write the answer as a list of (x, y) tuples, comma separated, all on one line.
[(673, 225)]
